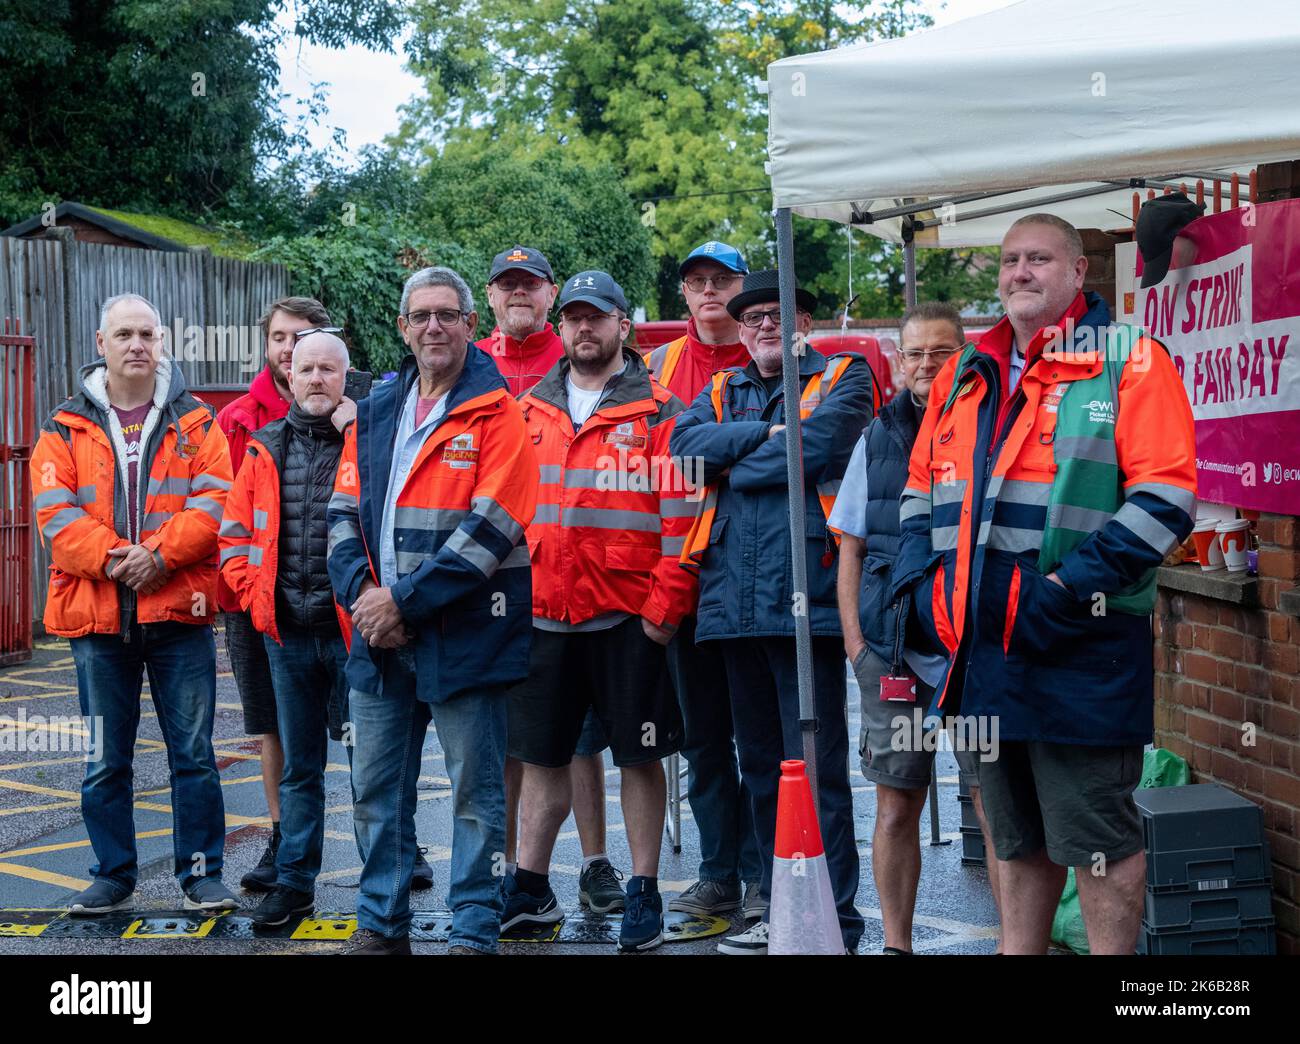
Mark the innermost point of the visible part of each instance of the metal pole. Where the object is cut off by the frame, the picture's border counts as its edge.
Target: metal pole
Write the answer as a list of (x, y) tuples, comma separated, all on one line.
[(909, 262), (790, 356)]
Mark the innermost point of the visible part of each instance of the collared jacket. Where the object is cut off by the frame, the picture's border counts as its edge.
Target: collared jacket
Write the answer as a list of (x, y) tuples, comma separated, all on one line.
[(612, 510), (463, 584), (523, 363), (262, 404), (273, 535), (79, 476), (998, 499), (685, 365), (746, 586)]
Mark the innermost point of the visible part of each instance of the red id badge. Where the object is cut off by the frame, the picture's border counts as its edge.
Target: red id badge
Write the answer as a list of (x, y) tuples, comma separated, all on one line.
[(897, 689)]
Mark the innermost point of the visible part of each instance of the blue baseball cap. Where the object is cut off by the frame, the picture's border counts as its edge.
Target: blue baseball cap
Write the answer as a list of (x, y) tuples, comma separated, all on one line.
[(727, 256), (595, 288)]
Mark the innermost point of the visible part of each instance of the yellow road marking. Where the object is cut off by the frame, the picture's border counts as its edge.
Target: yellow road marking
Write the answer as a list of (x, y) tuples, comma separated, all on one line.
[(64, 846), (32, 788), (38, 808), (33, 873), (137, 931)]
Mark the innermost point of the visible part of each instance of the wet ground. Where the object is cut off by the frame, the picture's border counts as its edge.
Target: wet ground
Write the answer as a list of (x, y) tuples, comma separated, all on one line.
[(45, 854)]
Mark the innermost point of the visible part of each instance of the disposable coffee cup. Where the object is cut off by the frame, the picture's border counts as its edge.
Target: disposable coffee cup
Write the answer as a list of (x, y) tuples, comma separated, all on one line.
[(1207, 545), (1232, 538)]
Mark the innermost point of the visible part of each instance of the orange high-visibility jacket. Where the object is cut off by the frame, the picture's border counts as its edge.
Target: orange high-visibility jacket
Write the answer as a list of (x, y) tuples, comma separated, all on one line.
[(463, 581), (78, 473), (612, 511), (250, 534)]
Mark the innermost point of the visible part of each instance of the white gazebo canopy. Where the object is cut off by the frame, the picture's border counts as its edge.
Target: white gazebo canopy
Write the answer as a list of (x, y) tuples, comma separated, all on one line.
[(1043, 105)]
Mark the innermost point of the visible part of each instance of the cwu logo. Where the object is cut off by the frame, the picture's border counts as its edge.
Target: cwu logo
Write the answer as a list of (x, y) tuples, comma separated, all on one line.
[(1100, 412)]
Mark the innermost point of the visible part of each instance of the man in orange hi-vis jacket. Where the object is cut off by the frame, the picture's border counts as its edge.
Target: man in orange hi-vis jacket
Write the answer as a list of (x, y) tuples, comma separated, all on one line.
[(436, 485), (130, 476)]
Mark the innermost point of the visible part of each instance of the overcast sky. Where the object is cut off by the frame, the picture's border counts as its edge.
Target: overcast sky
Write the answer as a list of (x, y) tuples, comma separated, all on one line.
[(366, 88)]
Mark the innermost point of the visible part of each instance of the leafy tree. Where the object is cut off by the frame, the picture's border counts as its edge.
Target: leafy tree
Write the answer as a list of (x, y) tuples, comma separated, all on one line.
[(136, 104)]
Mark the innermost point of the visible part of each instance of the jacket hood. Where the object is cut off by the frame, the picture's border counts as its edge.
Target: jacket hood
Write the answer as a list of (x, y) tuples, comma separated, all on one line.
[(169, 383)]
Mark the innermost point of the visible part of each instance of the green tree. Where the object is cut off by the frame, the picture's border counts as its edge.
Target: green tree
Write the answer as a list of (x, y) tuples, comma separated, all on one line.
[(665, 91), (138, 104)]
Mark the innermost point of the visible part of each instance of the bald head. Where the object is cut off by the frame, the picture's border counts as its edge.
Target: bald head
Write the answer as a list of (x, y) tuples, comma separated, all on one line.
[(320, 366)]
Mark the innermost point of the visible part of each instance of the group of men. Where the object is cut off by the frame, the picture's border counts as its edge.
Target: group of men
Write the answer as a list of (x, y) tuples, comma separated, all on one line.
[(550, 546)]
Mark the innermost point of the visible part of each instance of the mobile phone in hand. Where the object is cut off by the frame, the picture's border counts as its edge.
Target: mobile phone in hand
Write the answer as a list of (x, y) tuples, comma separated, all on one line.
[(357, 384)]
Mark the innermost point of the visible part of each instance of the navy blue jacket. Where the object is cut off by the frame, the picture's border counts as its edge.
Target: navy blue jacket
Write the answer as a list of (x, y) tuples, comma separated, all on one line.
[(465, 589), (746, 589)]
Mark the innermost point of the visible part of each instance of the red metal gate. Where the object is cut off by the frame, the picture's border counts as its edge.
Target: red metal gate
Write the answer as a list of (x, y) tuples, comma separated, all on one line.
[(17, 437)]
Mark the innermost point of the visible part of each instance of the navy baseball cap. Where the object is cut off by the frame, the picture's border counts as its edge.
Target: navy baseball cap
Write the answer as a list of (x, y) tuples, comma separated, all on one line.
[(595, 288), (725, 255), (524, 258)]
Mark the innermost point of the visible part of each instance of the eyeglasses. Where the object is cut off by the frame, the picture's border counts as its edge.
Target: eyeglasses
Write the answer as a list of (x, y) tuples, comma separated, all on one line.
[(300, 334), (447, 318), (591, 317), (939, 355), (508, 284), (697, 283), (755, 319)]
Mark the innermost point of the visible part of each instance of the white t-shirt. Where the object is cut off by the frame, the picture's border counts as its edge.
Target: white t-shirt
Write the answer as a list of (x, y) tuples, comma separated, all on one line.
[(1016, 368), (583, 403)]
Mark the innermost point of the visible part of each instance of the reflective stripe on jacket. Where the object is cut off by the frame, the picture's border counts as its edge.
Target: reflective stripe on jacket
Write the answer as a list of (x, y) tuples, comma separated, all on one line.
[(79, 480), (612, 511)]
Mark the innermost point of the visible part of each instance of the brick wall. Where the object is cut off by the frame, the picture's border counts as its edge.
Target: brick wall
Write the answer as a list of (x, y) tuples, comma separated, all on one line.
[(1227, 654)]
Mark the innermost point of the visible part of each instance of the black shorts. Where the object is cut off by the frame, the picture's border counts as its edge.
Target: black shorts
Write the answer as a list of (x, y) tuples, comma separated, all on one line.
[(247, 652), (619, 673), (1074, 801)]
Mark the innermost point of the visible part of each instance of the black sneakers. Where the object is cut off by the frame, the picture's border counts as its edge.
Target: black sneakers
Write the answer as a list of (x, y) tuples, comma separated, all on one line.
[(262, 877), (278, 907), (599, 889), (366, 942), (422, 874), (100, 898)]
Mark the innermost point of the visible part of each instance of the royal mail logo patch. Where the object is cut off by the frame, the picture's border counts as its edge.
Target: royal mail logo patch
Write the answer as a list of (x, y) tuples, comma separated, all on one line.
[(460, 452), (517, 255), (624, 435)]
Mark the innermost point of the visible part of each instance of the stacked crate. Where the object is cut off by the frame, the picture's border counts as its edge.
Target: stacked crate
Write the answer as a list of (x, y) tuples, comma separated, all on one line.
[(1208, 886)]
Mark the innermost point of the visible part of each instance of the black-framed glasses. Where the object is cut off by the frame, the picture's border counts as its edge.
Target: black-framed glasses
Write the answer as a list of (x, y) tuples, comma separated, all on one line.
[(447, 318), (696, 283), (755, 319), (300, 334)]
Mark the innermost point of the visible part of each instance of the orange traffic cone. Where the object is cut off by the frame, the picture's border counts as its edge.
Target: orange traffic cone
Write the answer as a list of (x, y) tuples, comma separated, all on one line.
[(803, 917)]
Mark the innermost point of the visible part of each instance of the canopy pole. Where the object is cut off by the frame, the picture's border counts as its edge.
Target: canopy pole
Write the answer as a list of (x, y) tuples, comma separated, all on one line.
[(909, 261), (792, 351)]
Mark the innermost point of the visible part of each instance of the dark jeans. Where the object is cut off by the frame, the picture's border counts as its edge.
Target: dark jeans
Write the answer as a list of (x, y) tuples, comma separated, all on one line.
[(762, 677), (719, 800), (308, 675), (181, 661)]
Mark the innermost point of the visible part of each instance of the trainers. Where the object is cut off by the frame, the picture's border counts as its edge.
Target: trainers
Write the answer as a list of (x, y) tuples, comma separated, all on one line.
[(278, 907), (752, 941), (422, 875), (752, 907), (366, 942), (707, 898), (208, 893), (522, 908), (643, 919), (99, 898), (262, 877), (599, 888)]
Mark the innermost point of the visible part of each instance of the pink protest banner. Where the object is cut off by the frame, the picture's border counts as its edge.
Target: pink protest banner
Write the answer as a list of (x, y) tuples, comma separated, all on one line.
[(1230, 316)]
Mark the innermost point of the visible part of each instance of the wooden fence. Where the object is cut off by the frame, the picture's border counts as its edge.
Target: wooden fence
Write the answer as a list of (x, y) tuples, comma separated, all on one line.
[(209, 305)]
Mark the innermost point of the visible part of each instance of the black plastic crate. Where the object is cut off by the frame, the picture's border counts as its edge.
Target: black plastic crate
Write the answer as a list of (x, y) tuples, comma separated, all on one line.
[(1201, 837), (1206, 908), (972, 846), (1255, 938)]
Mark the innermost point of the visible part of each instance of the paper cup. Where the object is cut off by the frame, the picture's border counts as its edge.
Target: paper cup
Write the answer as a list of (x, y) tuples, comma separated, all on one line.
[(1207, 545), (1232, 538)]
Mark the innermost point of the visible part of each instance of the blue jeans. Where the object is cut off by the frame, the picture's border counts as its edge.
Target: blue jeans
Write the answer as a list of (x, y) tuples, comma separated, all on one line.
[(389, 733), (307, 672), (719, 799), (764, 685), (181, 660)]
